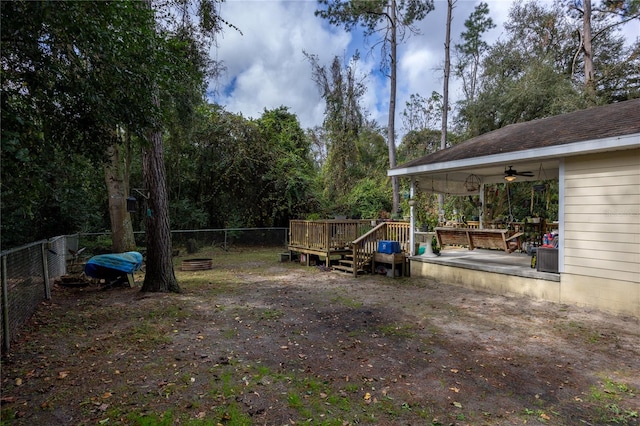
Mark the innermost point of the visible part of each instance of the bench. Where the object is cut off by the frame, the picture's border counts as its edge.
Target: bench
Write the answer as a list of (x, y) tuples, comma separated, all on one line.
[(478, 238)]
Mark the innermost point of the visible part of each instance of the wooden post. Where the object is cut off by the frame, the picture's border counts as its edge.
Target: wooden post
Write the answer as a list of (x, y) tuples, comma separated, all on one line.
[(355, 259), (45, 271), (5, 307)]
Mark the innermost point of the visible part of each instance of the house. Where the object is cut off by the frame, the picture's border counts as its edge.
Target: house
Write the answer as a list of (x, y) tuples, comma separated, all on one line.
[(595, 156)]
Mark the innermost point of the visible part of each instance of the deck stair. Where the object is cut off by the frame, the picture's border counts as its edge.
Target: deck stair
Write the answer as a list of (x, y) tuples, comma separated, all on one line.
[(364, 248), (346, 265)]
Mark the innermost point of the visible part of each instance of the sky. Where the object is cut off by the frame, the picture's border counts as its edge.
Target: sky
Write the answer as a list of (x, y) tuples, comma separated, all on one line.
[(265, 67)]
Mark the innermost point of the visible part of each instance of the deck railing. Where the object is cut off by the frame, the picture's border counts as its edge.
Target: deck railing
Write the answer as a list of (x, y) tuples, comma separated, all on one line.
[(326, 235), (365, 246)]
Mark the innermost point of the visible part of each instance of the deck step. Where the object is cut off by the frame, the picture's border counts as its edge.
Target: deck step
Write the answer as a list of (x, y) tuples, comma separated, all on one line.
[(344, 268)]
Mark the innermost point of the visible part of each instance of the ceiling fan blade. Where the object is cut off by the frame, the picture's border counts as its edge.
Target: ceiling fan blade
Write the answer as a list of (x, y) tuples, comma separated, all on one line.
[(529, 174)]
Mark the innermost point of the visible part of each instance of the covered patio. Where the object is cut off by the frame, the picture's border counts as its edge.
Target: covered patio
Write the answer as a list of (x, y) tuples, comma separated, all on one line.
[(468, 178), (489, 270), (504, 265), (593, 157)]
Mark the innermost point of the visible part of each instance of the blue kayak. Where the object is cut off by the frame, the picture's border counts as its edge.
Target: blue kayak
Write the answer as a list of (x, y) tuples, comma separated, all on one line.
[(109, 265)]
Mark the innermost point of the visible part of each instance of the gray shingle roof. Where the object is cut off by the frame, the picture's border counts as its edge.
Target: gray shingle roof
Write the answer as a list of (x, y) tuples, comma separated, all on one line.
[(622, 118)]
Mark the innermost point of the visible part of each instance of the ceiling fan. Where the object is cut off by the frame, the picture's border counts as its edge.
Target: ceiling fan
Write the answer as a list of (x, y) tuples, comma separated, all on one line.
[(510, 174)]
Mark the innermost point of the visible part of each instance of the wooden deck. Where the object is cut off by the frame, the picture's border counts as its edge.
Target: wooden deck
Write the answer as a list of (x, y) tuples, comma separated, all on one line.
[(350, 243), (325, 238)]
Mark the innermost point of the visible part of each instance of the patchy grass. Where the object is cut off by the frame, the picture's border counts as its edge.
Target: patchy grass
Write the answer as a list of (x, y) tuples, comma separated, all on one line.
[(254, 341), (402, 331), (607, 398), (346, 301)]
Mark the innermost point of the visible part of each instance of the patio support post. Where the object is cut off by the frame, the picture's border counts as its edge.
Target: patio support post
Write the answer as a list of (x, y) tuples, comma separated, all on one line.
[(412, 225), (481, 208)]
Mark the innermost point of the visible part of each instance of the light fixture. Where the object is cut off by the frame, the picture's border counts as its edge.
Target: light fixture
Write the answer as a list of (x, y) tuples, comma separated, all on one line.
[(131, 204), (472, 183), (510, 175)]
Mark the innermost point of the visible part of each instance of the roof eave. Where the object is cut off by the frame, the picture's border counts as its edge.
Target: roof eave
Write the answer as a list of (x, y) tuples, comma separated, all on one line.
[(613, 143)]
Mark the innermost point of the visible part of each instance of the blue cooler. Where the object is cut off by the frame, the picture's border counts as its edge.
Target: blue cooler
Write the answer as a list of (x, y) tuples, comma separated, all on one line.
[(388, 247)]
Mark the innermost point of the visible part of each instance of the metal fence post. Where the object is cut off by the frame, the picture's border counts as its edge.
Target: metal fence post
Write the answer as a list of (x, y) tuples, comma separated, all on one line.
[(5, 307), (45, 271)]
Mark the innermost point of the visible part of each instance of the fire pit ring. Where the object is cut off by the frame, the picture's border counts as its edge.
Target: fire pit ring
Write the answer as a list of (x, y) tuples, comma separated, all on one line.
[(197, 264)]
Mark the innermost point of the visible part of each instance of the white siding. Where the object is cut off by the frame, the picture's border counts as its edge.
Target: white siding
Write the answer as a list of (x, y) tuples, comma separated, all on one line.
[(602, 216)]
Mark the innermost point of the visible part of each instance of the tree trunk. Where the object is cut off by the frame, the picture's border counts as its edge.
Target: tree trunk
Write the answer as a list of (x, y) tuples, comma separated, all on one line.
[(447, 70), (159, 273), (392, 108), (117, 180), (589, 83), (445, 88)]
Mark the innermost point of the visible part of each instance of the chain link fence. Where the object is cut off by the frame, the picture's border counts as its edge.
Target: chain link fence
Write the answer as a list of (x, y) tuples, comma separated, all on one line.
[(26, 275), (190, 241), (29, 270)]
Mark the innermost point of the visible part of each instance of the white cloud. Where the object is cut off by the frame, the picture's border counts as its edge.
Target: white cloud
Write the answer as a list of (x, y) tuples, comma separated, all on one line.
[(266, 67)]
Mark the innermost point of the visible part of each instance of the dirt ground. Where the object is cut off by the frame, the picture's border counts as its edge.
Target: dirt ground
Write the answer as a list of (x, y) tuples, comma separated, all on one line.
[(255, 341)]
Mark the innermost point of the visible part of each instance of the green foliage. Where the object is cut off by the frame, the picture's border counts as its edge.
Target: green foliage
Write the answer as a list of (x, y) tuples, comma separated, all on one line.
[(392, 21), (62, 63), (289, 177), (220, 168), (371, 14), (49, 194), (421, 113), (418, 143), (425, 209), (366, 200), (615, 66), (525, 76), (343, 122), (535, 71), (97, 245), (472, 49), (137, 419), (519, 201), (373, 159), (236, 172), (185, 214)]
